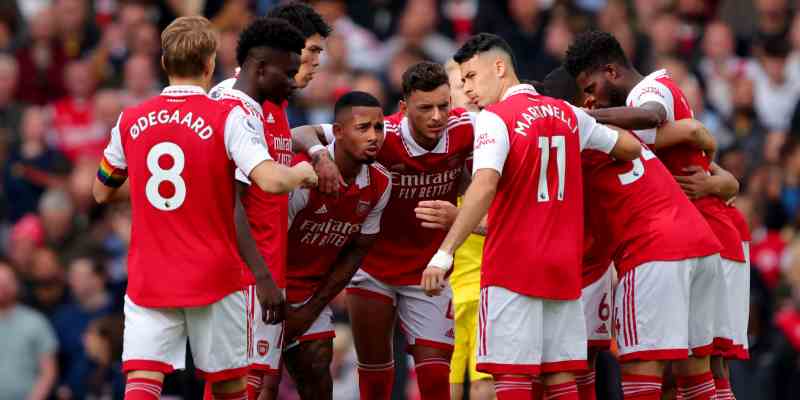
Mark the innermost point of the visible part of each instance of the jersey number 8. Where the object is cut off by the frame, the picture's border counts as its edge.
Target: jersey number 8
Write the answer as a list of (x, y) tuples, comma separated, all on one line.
[(171, 175)]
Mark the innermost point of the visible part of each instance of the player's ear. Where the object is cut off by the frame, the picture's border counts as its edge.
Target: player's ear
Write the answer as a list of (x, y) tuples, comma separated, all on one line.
[(500, 67), (337, 130), (402, 106)]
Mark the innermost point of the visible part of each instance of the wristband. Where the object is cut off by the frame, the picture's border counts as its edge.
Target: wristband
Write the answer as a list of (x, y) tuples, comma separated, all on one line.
[(314, 149), (441, 260)]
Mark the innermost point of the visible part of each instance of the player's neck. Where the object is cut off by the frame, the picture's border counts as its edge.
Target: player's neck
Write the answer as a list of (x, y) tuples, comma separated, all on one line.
[(506, 84), (630, 79), (179, 81), (348, 166)]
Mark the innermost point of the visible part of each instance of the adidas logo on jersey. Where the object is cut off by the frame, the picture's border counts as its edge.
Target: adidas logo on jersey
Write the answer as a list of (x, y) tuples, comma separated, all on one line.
[(270, 119), (321, 210), (602, 330)]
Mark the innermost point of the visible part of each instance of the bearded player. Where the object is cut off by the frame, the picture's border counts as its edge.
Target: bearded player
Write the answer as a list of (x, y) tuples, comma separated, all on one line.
[(602, 70), (426, 146), (527, 167), (266, 213), (180, 150)]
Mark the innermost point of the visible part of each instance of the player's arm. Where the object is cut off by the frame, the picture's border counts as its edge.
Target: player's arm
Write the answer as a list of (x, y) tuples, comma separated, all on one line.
[(489, 156), (312, 139), (699, 183), (648, 115), (269, 296), (244, 141), (343, 269), (686, 131), (440, 214), (113, 170), (616, 142)]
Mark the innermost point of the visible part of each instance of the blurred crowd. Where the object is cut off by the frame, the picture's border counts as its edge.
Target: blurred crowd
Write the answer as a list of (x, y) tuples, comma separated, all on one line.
[(68, 67)]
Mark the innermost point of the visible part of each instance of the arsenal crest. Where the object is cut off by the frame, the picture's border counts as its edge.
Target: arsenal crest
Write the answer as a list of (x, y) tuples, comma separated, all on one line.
[(262, 347), (363, 207)]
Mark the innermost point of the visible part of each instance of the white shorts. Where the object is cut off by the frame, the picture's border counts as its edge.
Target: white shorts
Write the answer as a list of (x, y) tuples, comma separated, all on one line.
[(524, 335), (733, 310), (321, 328), (265, 340), (596, 299), (155, 338), (665, 310), (426, 321)]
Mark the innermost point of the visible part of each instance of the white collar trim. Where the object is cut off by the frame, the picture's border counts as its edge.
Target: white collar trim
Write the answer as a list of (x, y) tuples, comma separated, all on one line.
[(414, 148), (517, 89), (182, 90)]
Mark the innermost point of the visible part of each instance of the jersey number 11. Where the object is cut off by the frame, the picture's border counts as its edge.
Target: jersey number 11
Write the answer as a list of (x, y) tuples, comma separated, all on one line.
[(545, 144)]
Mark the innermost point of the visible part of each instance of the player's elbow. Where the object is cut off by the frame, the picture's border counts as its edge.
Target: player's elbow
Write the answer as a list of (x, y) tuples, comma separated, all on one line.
[(627, 148), (273, 185), (701, 137)]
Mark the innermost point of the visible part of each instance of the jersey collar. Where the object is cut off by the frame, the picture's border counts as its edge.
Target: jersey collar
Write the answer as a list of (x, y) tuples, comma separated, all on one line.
[(362, 180), (182, 90), (519, 89), (251, 105), (411, 145)]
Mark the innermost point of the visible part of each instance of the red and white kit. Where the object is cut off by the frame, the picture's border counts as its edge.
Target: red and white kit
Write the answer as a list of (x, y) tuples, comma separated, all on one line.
[(531, 272), (664, 252), (596, 295), (320, 226), (392, 270), (267, 215), (737, 279), (659, 87), (180, 150)]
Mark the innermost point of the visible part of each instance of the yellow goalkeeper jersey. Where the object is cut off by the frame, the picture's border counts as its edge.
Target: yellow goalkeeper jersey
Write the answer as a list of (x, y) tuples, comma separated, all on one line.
[(466, 277)]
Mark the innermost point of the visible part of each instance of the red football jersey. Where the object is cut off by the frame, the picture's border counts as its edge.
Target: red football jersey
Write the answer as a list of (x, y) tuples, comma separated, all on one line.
[(659, 87), (180, 150), (320, 226), (404, 247), (535, 241), (267, 213), (740, 222), (641, 212), (76, 134), (597, 255)]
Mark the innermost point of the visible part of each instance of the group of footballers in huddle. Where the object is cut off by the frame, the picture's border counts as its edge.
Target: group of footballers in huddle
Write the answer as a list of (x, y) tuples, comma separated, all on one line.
[(244, 230)]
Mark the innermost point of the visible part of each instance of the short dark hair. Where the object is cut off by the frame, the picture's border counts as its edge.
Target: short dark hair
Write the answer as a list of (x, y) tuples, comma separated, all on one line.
[(303, 17), (559, 84), (482, 43), (594, 49), (425, 76), (355, 99), (269, 32)]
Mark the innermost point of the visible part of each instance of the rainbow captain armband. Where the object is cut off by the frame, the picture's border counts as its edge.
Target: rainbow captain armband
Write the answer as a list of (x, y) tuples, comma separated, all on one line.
[(110, 175)]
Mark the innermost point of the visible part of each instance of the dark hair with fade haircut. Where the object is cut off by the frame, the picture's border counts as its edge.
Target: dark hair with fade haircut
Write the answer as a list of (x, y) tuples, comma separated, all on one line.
[(592, 50), (425, 76), (482, 43), (269, 32), (303, 17), (559, 84), (355, 99)]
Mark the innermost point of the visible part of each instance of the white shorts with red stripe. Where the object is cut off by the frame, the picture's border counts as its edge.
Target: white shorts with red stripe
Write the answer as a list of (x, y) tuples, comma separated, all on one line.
[(155, 338), (265, 340), (597, 299), (665, 310), (524, 335), (321, 328), (426, 321), (733, 309)]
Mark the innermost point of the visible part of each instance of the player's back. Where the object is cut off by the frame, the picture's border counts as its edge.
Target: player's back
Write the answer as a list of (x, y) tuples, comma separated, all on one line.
[(641, 211), (182, 192), (404, 247), (536, 218)]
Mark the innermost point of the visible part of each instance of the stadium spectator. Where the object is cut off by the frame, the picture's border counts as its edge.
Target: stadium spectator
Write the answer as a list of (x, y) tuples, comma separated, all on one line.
[(719, 66), (417, 31), (102, 343), (139, 84), (775, 94), (57, 211), (363, 48), (48, 289), (73, 115), (32, 167), (27, 352), (86, 280), (25, 237), (10, 108), (77, 32), (41, 61)]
